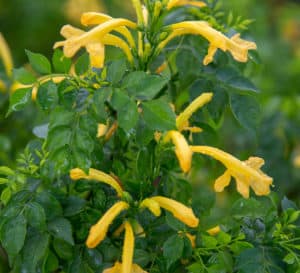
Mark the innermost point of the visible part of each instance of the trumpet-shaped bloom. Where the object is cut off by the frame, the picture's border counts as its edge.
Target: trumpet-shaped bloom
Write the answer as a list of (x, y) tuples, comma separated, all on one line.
[(235, 45), (197, 103), (99, 230), (96, 18), (246, 173), (182, 149), (128, 248), (179, 211), (176, 3), (97, 175), (95, 47), (152, 205), (214, 231), (6, 56)]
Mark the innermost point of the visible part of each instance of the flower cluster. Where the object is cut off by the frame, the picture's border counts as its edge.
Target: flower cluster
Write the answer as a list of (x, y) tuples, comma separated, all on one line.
[(116, 32)]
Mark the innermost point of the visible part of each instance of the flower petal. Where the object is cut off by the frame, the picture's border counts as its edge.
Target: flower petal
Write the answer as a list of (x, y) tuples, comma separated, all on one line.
[(128, 248), (99, 230), (180, 211), (222, 181)]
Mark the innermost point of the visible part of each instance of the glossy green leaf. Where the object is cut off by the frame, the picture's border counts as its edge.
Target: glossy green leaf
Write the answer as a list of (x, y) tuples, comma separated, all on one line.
[(172, 249), (61, 228), (39, 62), (19, 99), (35, 215), (82, 65), (158, 115), (35, 250), (47, 96), (126, 109), (63, 249), (23, 76), (143, 86), (246, 110), (13, 234)]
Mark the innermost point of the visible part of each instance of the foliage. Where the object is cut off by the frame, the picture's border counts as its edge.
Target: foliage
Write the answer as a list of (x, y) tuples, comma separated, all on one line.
[(139, 124)]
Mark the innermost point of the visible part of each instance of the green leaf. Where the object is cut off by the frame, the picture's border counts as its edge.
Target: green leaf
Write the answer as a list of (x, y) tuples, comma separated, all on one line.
[(60, 62), (101, 96), (35, 215), (172, 249), (61, 228), (63, 249), (13, 234), (239, 246), (50, 204), (208, 241), (47, 96), (143, 86), (247, 207), (58, 138), (159, 115), (257, 260), (5, 195), (51, 263), (290, 258), (35, 250), (246, 110), (242, 84), (60, 117), (19, 99), (141, 257), (82, 65), (126, 109), (23, 76), (116, 70), (73, 205), (223, 238), (39, 62), (173, 222)]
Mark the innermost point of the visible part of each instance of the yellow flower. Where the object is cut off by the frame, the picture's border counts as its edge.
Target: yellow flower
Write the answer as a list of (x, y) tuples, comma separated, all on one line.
[(246, 173), (97, 175), (127, 254), (177, 3), (98, 231), (296, 161), (235, 45), (192, 239), (6, 56), (96, 18), (179, 211), (95, 47), (182, 148), (152, 205), (214, 231), (197, 103)]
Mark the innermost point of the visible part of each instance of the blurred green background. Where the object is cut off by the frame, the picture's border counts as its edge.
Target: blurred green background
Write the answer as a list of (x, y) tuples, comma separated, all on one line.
[(35, 25)]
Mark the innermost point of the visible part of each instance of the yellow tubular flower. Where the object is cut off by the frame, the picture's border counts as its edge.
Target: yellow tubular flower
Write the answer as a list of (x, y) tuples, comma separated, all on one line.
[(93, 40), (128, 248), (6, 56), (296, 161), (102, 129), (97, 175), (246, 173), (177, 3), (214, 231), (114, 40), (96, 18), (192, 239), (98, 231), (179, 211), (235, 45), (152, 205), (197, 103), (182, 149)]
